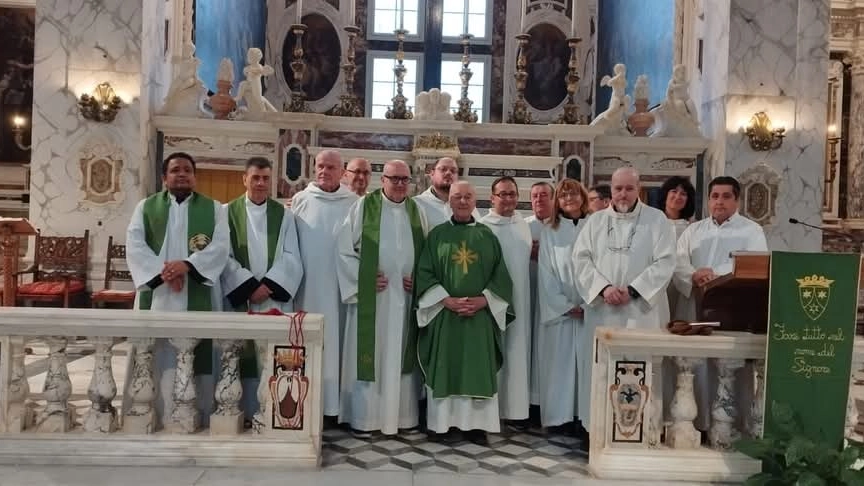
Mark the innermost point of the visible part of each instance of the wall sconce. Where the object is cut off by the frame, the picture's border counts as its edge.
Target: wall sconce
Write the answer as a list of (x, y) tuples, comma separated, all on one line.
[(18, 123), (102, 105), (831, 176), (761, 135)]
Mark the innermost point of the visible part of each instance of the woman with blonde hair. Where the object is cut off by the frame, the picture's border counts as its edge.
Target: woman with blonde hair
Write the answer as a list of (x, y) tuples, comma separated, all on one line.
[(563, 350)]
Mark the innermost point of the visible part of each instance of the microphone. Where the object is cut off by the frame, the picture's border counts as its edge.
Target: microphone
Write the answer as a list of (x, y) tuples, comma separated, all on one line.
[(847, 236)]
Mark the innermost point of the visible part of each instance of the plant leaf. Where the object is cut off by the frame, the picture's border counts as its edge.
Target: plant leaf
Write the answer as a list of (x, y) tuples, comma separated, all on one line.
[(809, 479), (761, 479), (756, 448), (800, 449)]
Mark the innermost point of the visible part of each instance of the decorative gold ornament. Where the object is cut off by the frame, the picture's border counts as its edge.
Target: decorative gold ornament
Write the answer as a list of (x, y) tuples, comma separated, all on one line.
[(436, 142), (762, 135), (102, 105)]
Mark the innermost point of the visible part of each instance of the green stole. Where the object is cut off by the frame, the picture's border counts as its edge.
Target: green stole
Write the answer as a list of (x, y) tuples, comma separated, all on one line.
[(367, 291), (201, 220), (240, 249)]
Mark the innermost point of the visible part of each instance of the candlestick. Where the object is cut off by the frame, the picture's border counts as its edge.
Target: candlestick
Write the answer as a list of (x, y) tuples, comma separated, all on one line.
[(399, 110), (464, 113), (465, 18), (573, 19), (401, 14), (571, 109), (520, 113), (299, 11), (349, 105), (352, 11), (522, 16), (298, 65)]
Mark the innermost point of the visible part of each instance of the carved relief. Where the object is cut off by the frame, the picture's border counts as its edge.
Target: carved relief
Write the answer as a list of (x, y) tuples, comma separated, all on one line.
[(195, 143), (759, 188), (628, 396), (101, 165), (254, 147)]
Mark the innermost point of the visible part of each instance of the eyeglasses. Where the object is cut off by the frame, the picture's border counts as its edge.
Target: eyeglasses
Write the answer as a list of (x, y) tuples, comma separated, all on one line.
[(359, 172), (398, 179), (504, 195), (566, 194)]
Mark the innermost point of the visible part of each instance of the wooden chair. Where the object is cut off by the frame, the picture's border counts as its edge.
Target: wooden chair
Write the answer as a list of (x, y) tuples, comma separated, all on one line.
[(59, 270), (107, 295)]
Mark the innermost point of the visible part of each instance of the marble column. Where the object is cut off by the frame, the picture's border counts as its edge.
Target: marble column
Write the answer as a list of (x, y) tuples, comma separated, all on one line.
[(102, 416), (772, 56), (57, 416), (139, 415), (855, 156)]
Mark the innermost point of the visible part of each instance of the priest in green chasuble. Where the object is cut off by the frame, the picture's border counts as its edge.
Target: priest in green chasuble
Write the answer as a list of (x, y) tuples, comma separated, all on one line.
[(463, 308), (264, 268), (176, 249), (378, 247)]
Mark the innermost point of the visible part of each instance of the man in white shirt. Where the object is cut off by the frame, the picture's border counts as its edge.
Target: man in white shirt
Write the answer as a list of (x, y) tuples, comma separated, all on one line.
[(319, 210), (514, 235), (541, 205), (704, 250), (434, 202)]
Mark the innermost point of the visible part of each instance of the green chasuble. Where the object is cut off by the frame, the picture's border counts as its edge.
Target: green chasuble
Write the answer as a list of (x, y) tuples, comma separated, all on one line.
[(237, 223), (367, 292), (200, 226), (461, 356)]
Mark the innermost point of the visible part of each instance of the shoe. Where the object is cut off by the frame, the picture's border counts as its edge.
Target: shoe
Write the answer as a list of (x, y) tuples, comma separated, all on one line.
[(517, 425), (331, 421), (409, 430), (448, 438), (478, 437), (361, 434)]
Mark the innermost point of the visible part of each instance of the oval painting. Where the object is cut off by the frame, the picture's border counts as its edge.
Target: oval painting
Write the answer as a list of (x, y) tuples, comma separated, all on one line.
[(322, 53), (547, 57)]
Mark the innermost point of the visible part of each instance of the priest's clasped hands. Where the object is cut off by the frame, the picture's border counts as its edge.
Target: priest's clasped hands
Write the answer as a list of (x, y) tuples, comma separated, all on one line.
[(261, 294), (702, 276), (616, 295), (465, 306), (382, 282), (173, 273)]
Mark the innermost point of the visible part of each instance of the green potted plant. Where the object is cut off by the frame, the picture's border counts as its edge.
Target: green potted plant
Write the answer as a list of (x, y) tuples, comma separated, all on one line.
[(790, 458)]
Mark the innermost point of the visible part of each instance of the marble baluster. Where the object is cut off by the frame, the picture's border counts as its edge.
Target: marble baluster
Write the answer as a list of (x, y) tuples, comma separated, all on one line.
[(184, 414), (855, 167), (102, 416), (20, 412), (140, 417), (654, 411), (259, 422), (724, 410), (682, 434), (228, 418), (57, 416), (757, 408)]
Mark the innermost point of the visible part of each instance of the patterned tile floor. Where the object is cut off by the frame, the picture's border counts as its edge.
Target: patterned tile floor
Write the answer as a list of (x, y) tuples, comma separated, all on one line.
[(529, 453)]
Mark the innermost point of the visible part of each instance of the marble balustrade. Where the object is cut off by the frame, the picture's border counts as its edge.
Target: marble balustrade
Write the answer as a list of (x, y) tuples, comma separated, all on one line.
[(630, 440), (45, 429)]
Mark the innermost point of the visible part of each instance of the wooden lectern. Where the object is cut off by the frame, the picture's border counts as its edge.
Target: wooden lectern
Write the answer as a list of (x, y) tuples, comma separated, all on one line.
[(11, 231), (739, 300)]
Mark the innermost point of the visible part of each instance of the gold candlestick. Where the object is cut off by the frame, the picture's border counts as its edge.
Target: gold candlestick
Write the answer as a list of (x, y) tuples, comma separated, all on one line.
[(464, 113), (298, 65), (399, 110), (520, 113), (571, 110), (349, 105)]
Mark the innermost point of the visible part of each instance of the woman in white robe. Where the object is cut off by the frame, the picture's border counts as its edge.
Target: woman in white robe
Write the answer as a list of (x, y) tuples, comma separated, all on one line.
[(564, 348)]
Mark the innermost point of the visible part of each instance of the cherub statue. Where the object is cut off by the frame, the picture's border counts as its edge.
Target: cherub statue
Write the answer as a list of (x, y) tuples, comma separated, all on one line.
[(250, 90), (433, 105), (676, 116), (612, 120), (185, 95)]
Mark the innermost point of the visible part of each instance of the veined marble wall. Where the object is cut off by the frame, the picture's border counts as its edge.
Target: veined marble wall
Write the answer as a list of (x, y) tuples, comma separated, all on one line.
[(82, 43), (773, 57)]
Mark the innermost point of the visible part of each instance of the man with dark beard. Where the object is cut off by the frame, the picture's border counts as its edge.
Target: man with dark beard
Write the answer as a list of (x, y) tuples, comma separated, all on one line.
[(434, 201)]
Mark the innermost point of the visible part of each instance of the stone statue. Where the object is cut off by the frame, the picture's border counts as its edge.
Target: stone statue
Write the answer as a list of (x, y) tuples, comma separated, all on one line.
[(186, 93), (250, 90), (676, 116), (432, 105), (640, 89), (612, 120), (221, 102)]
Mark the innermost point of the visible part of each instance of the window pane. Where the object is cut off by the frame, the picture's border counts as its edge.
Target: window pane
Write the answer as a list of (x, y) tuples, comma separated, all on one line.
[(475, 93), (378, 111), (477, 6), (411, 23), (453, 25), (410, 5), (478, 68), (450, 71), (477, 25), (411, 74), (385, 21), (385, 4), (454, 6), (381, 92), (382, 69), (450, 83)]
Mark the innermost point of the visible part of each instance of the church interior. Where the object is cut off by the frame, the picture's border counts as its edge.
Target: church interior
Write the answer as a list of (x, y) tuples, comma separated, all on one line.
[(95, 93)]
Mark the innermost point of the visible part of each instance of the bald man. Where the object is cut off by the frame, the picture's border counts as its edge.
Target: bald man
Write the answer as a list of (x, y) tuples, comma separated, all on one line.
[(318, 211), (357, 175), (435, 201), (625, 256), (379, 243), (464, 294)]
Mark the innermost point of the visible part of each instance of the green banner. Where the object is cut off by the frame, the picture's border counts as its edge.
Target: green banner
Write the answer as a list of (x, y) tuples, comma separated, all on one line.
[(811, 332)]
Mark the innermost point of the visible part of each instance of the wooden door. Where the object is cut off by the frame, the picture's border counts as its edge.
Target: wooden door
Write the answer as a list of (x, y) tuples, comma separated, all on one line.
[(221, 185)]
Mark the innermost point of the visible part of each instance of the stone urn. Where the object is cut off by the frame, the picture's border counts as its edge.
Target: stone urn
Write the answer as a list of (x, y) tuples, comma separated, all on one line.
[(222, 103), (641, 119)]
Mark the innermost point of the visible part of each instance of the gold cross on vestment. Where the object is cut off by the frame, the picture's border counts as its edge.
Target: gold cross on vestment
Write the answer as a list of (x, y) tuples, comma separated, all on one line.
[(463, 256)]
